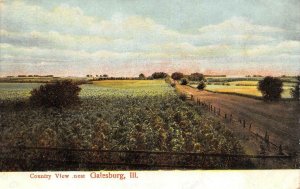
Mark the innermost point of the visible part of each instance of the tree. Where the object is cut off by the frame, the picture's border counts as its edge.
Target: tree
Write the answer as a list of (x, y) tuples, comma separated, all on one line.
[(150, 77), (59, 94), (271, 88), (142, 76), (295, 91), (196, 77), (184, 81), (201, 85), (177, 75), (159, 75)]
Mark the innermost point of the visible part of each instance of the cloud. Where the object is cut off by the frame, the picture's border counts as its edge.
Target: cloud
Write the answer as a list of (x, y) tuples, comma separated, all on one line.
[(239, 25), (282, 48), (21, 17), (66, 35)]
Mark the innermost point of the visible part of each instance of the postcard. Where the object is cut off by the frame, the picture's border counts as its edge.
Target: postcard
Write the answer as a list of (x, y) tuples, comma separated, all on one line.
[(137, 93)]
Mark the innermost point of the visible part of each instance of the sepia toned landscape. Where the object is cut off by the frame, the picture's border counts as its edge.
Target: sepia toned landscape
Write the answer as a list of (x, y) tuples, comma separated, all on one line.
[(108, 86), (145, 124)]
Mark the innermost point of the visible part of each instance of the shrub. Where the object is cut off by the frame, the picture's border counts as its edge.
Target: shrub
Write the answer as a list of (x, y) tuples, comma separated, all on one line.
[(159, 75), (271, 88), (177, 75), (168, 80), (182, 96), (19, 105), (183, 81), (150, 78), (173, 84), (142, 76), (295, 91), (59, 94), (201, 85), (196, 77)]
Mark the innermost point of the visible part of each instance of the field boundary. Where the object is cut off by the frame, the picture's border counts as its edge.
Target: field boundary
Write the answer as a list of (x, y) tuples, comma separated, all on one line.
[(244, 95), (145, 152), (41, 158), (249, 126), (237, 94)]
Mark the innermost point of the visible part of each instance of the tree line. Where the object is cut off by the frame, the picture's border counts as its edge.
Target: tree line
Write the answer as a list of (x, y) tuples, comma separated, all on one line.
[(64, 93)]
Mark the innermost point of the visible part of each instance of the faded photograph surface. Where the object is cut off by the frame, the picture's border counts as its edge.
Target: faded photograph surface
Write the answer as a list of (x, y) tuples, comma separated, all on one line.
[(149, 85)]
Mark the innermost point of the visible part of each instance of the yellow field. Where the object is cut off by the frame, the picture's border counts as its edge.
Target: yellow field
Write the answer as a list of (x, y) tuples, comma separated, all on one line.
[(128, 83), (247, 90), (254, 83), (248, 83)]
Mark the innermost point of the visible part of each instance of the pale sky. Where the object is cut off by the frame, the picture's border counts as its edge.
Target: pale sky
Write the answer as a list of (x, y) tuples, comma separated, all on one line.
[(128, 37)]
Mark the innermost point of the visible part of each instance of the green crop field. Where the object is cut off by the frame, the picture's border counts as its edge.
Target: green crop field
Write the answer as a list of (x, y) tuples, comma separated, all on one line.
[(119, 115), (16, 91)]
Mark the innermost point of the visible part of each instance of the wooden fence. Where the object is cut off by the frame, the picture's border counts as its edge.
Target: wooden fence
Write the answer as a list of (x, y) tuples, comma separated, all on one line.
[(248, 125), (42, 158)]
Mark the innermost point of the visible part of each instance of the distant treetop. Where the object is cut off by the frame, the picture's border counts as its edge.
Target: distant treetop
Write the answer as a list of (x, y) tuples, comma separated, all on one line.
[(159, 75), (177, 75), (196, 77)]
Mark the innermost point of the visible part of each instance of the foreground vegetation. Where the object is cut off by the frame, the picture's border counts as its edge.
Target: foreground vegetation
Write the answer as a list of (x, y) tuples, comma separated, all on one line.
[(114, 116)]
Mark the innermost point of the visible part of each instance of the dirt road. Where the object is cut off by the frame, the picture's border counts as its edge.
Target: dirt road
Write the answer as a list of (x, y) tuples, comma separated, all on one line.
[(279, 119)]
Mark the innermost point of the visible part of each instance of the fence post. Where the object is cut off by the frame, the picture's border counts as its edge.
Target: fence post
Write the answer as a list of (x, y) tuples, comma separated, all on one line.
[(280, 150), (225, 116), (230, 117), (250, 126), (266, 137), (244, 123)]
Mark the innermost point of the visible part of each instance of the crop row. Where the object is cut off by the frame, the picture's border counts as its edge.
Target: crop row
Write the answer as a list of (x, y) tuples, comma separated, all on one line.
[(120, 119)]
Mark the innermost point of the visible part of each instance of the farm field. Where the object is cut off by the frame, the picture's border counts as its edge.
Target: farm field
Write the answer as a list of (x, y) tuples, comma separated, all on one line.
[(128, 84), (28, 79), (16, 91), (113, 116), (245, 88), (279, 119)]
